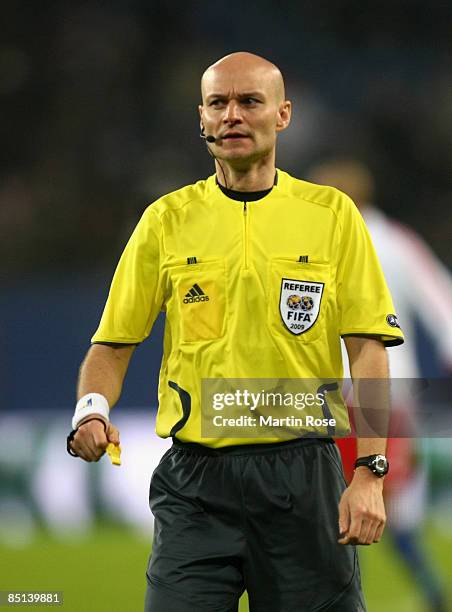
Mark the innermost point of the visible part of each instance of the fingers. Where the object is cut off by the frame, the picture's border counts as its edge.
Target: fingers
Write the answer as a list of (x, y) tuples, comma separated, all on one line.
[(362, 514), (344, 520), (379, 531), (112, 434), (375, 523), (90, 441), (365, 529), (351, 536)]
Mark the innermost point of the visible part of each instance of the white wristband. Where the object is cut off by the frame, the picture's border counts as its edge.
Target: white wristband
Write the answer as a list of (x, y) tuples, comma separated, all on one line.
[(91, 403)]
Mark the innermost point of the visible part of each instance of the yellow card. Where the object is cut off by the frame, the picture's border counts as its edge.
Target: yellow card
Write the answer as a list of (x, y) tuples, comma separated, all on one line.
[(114, 452)]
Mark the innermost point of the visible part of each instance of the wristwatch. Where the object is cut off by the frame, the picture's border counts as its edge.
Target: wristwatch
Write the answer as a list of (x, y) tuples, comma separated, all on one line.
[(378, 464)]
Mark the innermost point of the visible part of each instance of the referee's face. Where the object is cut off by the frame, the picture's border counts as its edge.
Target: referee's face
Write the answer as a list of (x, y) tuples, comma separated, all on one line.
[(243, 107)]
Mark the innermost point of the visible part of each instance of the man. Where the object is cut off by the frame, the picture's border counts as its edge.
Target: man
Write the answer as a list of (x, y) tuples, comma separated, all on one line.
[(253, 269), (411, 269)]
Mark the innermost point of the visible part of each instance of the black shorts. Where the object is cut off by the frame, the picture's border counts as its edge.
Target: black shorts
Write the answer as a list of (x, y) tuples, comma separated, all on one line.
[(259, 517)]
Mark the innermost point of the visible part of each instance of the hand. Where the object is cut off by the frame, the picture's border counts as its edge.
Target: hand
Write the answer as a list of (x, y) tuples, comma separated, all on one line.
[(93, 437), (362, 516)]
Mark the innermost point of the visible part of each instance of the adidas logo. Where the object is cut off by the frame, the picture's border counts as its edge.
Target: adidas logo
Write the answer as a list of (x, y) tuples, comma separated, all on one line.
[(196, 294)]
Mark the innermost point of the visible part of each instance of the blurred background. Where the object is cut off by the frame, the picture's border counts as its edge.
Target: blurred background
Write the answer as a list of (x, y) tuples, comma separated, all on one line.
[(99, 118)]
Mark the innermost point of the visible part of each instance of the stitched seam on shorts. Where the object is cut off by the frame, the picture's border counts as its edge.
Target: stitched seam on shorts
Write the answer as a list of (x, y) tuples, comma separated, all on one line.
[(327, 605), (190, 599), (336, 465)]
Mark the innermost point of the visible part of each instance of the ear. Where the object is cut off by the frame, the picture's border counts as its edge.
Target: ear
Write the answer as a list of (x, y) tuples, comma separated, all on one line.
[(284, 115), (200, 111)]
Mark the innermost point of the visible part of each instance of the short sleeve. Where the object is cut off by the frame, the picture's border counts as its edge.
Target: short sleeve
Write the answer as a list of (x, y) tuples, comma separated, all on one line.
[(364, 303), (135, 296)]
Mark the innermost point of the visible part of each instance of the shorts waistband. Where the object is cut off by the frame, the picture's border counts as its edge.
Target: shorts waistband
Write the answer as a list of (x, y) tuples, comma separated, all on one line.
[(248, 449)]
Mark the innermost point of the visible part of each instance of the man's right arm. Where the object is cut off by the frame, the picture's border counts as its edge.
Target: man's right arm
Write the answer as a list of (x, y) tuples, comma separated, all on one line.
[(102, 371)]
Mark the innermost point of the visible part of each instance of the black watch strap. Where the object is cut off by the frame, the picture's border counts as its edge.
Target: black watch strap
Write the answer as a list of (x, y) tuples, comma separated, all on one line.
[(68, 443), (378, 464)]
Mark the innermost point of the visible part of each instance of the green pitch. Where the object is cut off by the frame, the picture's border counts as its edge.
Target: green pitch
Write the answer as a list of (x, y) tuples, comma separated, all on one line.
[(104, 572)]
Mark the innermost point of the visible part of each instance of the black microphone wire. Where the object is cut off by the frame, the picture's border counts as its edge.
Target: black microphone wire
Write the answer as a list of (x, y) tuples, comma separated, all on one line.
[(214, 156)]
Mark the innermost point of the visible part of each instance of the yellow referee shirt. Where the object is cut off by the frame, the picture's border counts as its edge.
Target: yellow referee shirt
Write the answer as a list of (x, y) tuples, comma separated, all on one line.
[(256, 290)]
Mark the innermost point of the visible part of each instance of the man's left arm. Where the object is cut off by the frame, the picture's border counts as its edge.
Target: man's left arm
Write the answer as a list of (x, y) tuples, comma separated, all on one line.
[(362, 514)]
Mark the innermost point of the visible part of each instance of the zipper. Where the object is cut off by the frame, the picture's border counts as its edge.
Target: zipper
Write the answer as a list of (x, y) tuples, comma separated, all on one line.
[(245, 235)]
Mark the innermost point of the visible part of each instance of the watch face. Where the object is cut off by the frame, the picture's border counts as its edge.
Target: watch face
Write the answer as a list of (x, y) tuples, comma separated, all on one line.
[(380, 464)]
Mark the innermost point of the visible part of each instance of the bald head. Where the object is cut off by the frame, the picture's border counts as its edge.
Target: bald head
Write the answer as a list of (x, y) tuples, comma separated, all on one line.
[(245, 70), (244, 109)]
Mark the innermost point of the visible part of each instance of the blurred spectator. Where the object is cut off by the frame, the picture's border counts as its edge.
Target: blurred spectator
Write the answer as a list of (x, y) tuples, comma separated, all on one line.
[(421, 288)]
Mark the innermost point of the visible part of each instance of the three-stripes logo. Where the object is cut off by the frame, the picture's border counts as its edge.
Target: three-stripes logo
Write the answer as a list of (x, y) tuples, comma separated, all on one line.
[(196, 294)]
